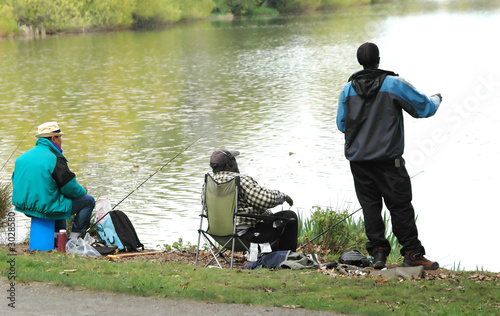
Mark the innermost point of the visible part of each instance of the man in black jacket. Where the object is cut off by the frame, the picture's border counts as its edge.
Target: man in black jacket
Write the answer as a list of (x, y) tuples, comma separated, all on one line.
[(370, 115)]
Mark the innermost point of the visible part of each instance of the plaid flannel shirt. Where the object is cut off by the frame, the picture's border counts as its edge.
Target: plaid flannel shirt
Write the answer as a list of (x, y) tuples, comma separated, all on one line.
[(252, 198)]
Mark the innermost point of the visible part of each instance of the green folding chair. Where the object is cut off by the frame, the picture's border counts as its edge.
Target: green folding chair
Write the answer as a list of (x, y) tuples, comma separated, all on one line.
[(221, 201)]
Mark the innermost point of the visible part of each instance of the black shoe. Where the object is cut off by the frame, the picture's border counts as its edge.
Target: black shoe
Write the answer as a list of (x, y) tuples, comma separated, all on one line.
[(379, 260)]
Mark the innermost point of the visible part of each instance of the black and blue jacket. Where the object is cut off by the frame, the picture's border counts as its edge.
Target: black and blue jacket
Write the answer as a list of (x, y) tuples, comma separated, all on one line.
[(370, 113)]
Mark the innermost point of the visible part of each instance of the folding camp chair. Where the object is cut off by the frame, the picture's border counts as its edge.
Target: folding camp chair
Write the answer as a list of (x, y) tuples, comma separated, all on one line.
[(220, 212), (221, 201)]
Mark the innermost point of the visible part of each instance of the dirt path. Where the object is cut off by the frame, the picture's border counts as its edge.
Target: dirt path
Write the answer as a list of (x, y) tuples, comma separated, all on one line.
[(44, 299)]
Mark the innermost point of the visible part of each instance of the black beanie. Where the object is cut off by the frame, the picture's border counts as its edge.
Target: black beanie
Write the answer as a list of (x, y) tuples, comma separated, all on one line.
[(368, 54)]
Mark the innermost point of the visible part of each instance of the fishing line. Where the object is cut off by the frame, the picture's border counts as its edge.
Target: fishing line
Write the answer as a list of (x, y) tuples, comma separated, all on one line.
[(331, 227), (22, 140), (152, 175)]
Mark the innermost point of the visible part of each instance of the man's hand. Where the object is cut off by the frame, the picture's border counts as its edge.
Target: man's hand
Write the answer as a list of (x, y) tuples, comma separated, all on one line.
[(85, 187), (289, 200), (440, 96)]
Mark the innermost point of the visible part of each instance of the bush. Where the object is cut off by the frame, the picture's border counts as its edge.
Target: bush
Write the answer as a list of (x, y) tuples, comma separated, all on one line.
[(295, 5), (149, 13), (195, 9), (5, 202), (48, 16), (51, 16), (347, 234), (342, 3), (108, 13), (222, 7), (239, 7), (263, 11), (8, 24)]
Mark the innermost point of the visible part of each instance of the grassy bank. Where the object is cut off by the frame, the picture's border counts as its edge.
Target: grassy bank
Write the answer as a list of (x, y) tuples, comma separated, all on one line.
[(445, 293)]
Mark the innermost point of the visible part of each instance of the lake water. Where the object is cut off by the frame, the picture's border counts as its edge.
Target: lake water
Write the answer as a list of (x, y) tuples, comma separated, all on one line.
[(129, 102)]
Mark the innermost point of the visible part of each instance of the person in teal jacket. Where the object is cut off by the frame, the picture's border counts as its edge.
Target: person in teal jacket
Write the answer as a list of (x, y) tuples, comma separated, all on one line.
[(44, 187)]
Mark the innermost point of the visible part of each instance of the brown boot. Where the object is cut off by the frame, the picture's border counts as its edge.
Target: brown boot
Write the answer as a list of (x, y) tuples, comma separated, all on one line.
[(413, 258)]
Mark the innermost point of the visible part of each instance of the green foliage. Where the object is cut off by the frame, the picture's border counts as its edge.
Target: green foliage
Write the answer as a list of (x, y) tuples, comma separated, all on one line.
[(242, 7), (347, 234), (179, 246), (107, 13), (150, 13), (325, 4), (5, 202), (52, 16), (221, 7), (195, 9), (47, 16), (261, 11), (295, 5), (8, 24)]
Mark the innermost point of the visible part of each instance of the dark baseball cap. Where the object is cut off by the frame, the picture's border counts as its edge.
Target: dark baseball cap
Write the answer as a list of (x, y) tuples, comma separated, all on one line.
[(368, 54), (222, 156)]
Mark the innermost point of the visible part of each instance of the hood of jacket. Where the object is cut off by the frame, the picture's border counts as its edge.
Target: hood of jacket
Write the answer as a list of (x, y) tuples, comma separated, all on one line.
[(367, 82)]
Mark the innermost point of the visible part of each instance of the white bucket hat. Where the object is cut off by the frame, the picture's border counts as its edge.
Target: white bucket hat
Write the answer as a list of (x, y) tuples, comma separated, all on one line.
[(49, 129)]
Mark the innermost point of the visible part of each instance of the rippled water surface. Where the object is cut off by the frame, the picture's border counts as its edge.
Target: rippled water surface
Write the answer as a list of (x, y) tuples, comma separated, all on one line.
[(130, 102)]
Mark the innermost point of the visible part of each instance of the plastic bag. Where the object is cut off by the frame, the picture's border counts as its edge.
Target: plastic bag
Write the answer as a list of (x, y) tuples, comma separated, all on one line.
[(82, 247), (102, 209)]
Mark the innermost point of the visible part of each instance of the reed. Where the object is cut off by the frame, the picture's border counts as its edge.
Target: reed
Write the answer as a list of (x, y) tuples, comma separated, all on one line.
[(5, 202)]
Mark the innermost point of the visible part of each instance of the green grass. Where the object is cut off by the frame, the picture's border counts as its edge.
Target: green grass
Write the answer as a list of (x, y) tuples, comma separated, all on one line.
[(309, 289)]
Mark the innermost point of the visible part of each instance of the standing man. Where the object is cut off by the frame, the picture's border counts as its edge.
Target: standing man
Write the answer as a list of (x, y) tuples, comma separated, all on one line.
[(256, 200), (370, 115), (44, 187)]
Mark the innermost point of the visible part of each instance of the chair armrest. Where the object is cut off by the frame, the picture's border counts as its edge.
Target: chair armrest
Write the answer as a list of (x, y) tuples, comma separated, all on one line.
[(264, 217)]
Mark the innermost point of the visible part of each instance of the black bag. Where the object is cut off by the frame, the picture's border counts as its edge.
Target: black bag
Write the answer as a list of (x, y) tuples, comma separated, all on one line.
[(104, 250), (354, 258), (125, 231), (116, 229)]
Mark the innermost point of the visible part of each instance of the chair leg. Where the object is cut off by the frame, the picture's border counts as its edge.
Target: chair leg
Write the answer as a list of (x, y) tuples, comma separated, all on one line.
[(197, 249), (219, 253)]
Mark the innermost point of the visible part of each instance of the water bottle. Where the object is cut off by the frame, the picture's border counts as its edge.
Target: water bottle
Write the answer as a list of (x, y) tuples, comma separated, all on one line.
[(62, 239)]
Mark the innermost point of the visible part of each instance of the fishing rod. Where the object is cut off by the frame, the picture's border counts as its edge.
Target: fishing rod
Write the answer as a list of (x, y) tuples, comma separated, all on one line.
[(152, 175), (22, 140), (337, 223)]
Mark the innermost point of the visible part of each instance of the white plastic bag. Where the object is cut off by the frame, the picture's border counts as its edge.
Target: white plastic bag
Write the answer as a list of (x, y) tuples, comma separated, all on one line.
[(102, 208), (82, 247)]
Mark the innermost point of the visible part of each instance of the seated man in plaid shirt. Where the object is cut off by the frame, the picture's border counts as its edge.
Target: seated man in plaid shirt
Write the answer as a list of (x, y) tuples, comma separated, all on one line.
[(254, 199)]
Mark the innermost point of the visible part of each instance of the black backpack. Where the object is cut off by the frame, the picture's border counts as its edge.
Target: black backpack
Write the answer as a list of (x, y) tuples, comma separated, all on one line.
[(116, 229)]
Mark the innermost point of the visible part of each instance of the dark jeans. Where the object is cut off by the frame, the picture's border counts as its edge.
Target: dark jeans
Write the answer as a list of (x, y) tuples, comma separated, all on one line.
[(286, 237), (82, 207), (384, 180)]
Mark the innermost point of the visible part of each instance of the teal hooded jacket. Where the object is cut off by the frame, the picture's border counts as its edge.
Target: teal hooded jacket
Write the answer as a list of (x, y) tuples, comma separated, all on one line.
[(43, 185)]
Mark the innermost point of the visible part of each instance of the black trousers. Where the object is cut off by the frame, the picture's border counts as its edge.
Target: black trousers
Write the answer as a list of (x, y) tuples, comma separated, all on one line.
[(387, 181), (281, 238)]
